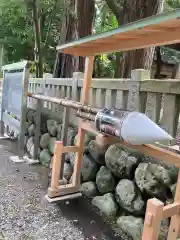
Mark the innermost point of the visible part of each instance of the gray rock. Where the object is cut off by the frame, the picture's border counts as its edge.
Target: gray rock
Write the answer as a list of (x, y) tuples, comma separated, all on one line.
[(31, 151), (44, 127), (129, 197), (30, 116), (164, 230), (31, 130), (70, 158), (63, 181), (88, 138), (97, 152), (25, 140), (120, 163), (26, 130), (161, 174), (152, 179), (44, 141), (29, 144), (51, 144), (105, 181), (132, 151), (72, 132), (68, 171), (173, 173), (173, 189), (132, 226), (34, 117), (106, 204), (89, 169), (89, 189), (45, 157), (52, 127)]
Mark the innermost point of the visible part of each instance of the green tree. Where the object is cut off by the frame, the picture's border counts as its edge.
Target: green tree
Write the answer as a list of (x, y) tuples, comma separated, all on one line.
[(17, 31)]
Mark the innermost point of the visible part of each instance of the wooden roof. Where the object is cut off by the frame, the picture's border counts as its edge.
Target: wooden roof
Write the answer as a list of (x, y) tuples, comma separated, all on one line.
[(161, 29)]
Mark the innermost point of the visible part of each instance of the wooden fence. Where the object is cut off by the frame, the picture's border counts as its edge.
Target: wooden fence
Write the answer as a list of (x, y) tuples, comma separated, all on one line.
[(158, 99)]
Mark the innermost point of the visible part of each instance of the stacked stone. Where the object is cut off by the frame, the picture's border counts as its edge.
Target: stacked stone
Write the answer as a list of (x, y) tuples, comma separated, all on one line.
[(118, 180), (30, 132), (50, 133), (124, 181)]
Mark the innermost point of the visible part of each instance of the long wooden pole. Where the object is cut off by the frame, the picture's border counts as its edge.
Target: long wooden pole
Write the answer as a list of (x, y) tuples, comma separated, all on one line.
[(66, 103)]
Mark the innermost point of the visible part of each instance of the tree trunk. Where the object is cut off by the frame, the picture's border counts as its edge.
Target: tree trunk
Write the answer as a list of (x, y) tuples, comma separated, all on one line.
[(158, 63), (77, 24), (1, 56), (130, 11), (63, 66), (38, 50)]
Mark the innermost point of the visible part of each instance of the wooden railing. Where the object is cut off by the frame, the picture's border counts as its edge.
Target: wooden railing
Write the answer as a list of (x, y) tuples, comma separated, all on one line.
[(158, 99)]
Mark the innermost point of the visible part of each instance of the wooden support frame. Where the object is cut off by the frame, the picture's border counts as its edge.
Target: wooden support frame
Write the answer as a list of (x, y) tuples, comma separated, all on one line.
[(57, 190), (156, 212)]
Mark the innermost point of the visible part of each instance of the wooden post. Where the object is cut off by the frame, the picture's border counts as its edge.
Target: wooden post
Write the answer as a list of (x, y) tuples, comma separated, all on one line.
[(176, 71), (75, 94), (56, 165), (81, 132), (64, 136), (38, 128), (136, 100), (21, 143), (175, 220), (76, 77), (153, 219)]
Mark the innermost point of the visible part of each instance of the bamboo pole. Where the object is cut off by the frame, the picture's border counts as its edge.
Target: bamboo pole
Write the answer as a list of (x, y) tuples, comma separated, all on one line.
[(66, 103)]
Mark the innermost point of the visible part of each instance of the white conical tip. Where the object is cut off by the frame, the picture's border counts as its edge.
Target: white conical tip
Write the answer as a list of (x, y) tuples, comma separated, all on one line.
[(138, 129)]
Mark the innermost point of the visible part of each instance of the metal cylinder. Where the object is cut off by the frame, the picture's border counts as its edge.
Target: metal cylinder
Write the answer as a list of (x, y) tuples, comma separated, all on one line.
[(110, 121)]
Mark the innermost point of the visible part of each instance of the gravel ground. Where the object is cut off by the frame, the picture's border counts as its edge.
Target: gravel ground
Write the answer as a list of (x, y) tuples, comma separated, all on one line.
[(26, 215)]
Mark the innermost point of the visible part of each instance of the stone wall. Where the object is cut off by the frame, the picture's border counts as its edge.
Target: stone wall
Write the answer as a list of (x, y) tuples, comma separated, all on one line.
[(119, 181)]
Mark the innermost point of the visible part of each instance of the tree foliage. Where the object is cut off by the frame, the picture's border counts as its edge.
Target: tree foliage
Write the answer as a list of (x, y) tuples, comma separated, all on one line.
[(66, 20), (17, 32)]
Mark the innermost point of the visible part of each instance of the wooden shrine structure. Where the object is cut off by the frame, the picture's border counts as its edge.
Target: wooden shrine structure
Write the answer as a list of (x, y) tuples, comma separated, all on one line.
[(162, 29)]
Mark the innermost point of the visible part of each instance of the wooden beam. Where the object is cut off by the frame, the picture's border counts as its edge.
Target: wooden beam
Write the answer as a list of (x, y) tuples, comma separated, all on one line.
[(170, 210), (63, 198), (68, 149), (62, 190), (163, 22)]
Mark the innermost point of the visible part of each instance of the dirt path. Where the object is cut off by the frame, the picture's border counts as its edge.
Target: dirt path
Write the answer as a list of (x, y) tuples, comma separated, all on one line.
[(25, 214)]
